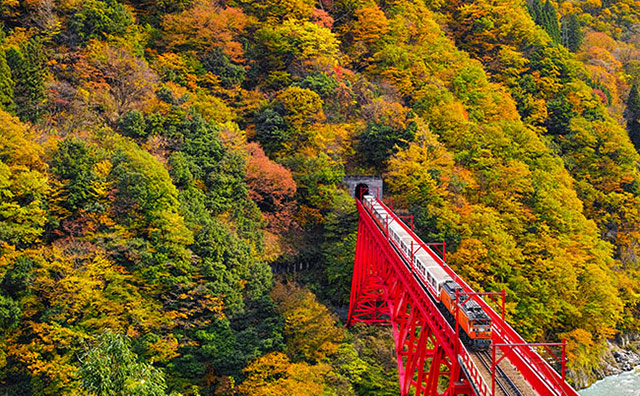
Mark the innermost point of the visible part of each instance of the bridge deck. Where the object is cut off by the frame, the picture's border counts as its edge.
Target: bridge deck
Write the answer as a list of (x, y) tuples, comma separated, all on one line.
[(513, 385)]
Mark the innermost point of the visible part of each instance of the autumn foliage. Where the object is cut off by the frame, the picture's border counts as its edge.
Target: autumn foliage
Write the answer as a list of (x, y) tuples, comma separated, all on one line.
[(159, 161)]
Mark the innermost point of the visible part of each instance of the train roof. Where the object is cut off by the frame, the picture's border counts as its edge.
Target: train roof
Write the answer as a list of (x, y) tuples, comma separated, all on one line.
[(438, 273), (397, 228), (474, 310), (471, 308), (426, 259)]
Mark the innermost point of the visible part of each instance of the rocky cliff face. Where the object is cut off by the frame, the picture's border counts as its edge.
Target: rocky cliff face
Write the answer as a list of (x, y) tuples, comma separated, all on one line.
[(621, 355)]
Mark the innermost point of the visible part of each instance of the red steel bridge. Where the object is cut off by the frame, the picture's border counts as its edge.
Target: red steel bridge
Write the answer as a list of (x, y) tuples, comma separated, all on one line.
[(432, 360)]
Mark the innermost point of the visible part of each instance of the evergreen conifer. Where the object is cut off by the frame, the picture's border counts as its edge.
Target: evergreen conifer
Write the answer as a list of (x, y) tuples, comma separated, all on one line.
[(571, 34), (545, 16), (632, 114), (28, 70), (6, 86)]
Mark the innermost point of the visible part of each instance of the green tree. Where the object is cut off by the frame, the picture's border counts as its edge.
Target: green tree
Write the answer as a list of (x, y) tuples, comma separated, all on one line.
[(133, 124), (320, 83), (632, 113), (340, 234), (546, 16), (6, 86), (73, 163), (111, 368), (98, 19), (9, 311), (29, 72), (560, 114), (316, 179), (550, 21), (379, 141), (146, 201), (571, 34), (272, 130), (219, 64)]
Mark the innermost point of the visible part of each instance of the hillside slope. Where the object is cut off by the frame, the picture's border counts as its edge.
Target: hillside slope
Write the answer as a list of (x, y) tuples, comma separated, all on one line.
[(158, 158)]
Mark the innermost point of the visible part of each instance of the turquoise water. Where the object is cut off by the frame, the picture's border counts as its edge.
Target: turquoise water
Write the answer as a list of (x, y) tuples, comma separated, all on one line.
[(625, 384)]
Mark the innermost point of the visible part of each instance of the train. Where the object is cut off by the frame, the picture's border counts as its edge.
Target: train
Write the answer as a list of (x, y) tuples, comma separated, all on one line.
[(475, 324)]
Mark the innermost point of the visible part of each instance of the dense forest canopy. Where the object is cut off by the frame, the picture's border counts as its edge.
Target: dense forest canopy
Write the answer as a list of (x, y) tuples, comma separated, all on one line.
[(158, 158)]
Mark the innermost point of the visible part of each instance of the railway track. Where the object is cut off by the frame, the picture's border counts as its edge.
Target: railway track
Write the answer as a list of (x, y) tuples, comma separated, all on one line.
[(503, 382)]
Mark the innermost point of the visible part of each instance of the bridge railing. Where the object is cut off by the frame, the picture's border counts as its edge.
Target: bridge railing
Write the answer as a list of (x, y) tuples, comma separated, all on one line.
[(537, 371), (476, 379)]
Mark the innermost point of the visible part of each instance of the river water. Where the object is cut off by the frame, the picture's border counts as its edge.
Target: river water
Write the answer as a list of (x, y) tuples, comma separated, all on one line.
[(625, 384)]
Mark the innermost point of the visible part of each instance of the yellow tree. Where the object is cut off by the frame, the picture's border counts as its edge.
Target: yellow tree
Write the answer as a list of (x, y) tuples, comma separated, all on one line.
[(303, 106), (423, 172), (274, 375), (23, 187), (310, 328), (81, 291), (370, 25)]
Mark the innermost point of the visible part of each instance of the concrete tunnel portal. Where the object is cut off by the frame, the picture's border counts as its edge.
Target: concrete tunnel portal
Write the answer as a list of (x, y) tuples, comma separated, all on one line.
[(361, 185)]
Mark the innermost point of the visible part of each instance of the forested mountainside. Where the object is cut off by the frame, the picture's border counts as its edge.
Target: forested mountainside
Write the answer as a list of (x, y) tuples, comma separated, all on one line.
[(157, 158)]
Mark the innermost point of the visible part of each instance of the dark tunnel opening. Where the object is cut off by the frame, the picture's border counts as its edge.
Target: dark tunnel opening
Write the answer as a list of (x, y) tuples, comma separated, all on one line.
[(361, 190)]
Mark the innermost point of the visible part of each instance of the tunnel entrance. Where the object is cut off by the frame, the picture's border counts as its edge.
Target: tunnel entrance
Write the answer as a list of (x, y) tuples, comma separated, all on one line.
[(361, 190), (361, 185)]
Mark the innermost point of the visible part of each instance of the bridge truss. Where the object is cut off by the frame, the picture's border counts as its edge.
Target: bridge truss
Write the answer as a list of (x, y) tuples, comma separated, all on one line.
[(431, 358)]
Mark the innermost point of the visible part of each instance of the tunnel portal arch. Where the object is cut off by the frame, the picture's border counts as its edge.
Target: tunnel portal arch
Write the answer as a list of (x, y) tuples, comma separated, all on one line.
[(356, 184)]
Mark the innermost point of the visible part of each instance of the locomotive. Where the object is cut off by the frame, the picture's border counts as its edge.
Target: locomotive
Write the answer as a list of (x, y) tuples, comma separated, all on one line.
[(475, 324)]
